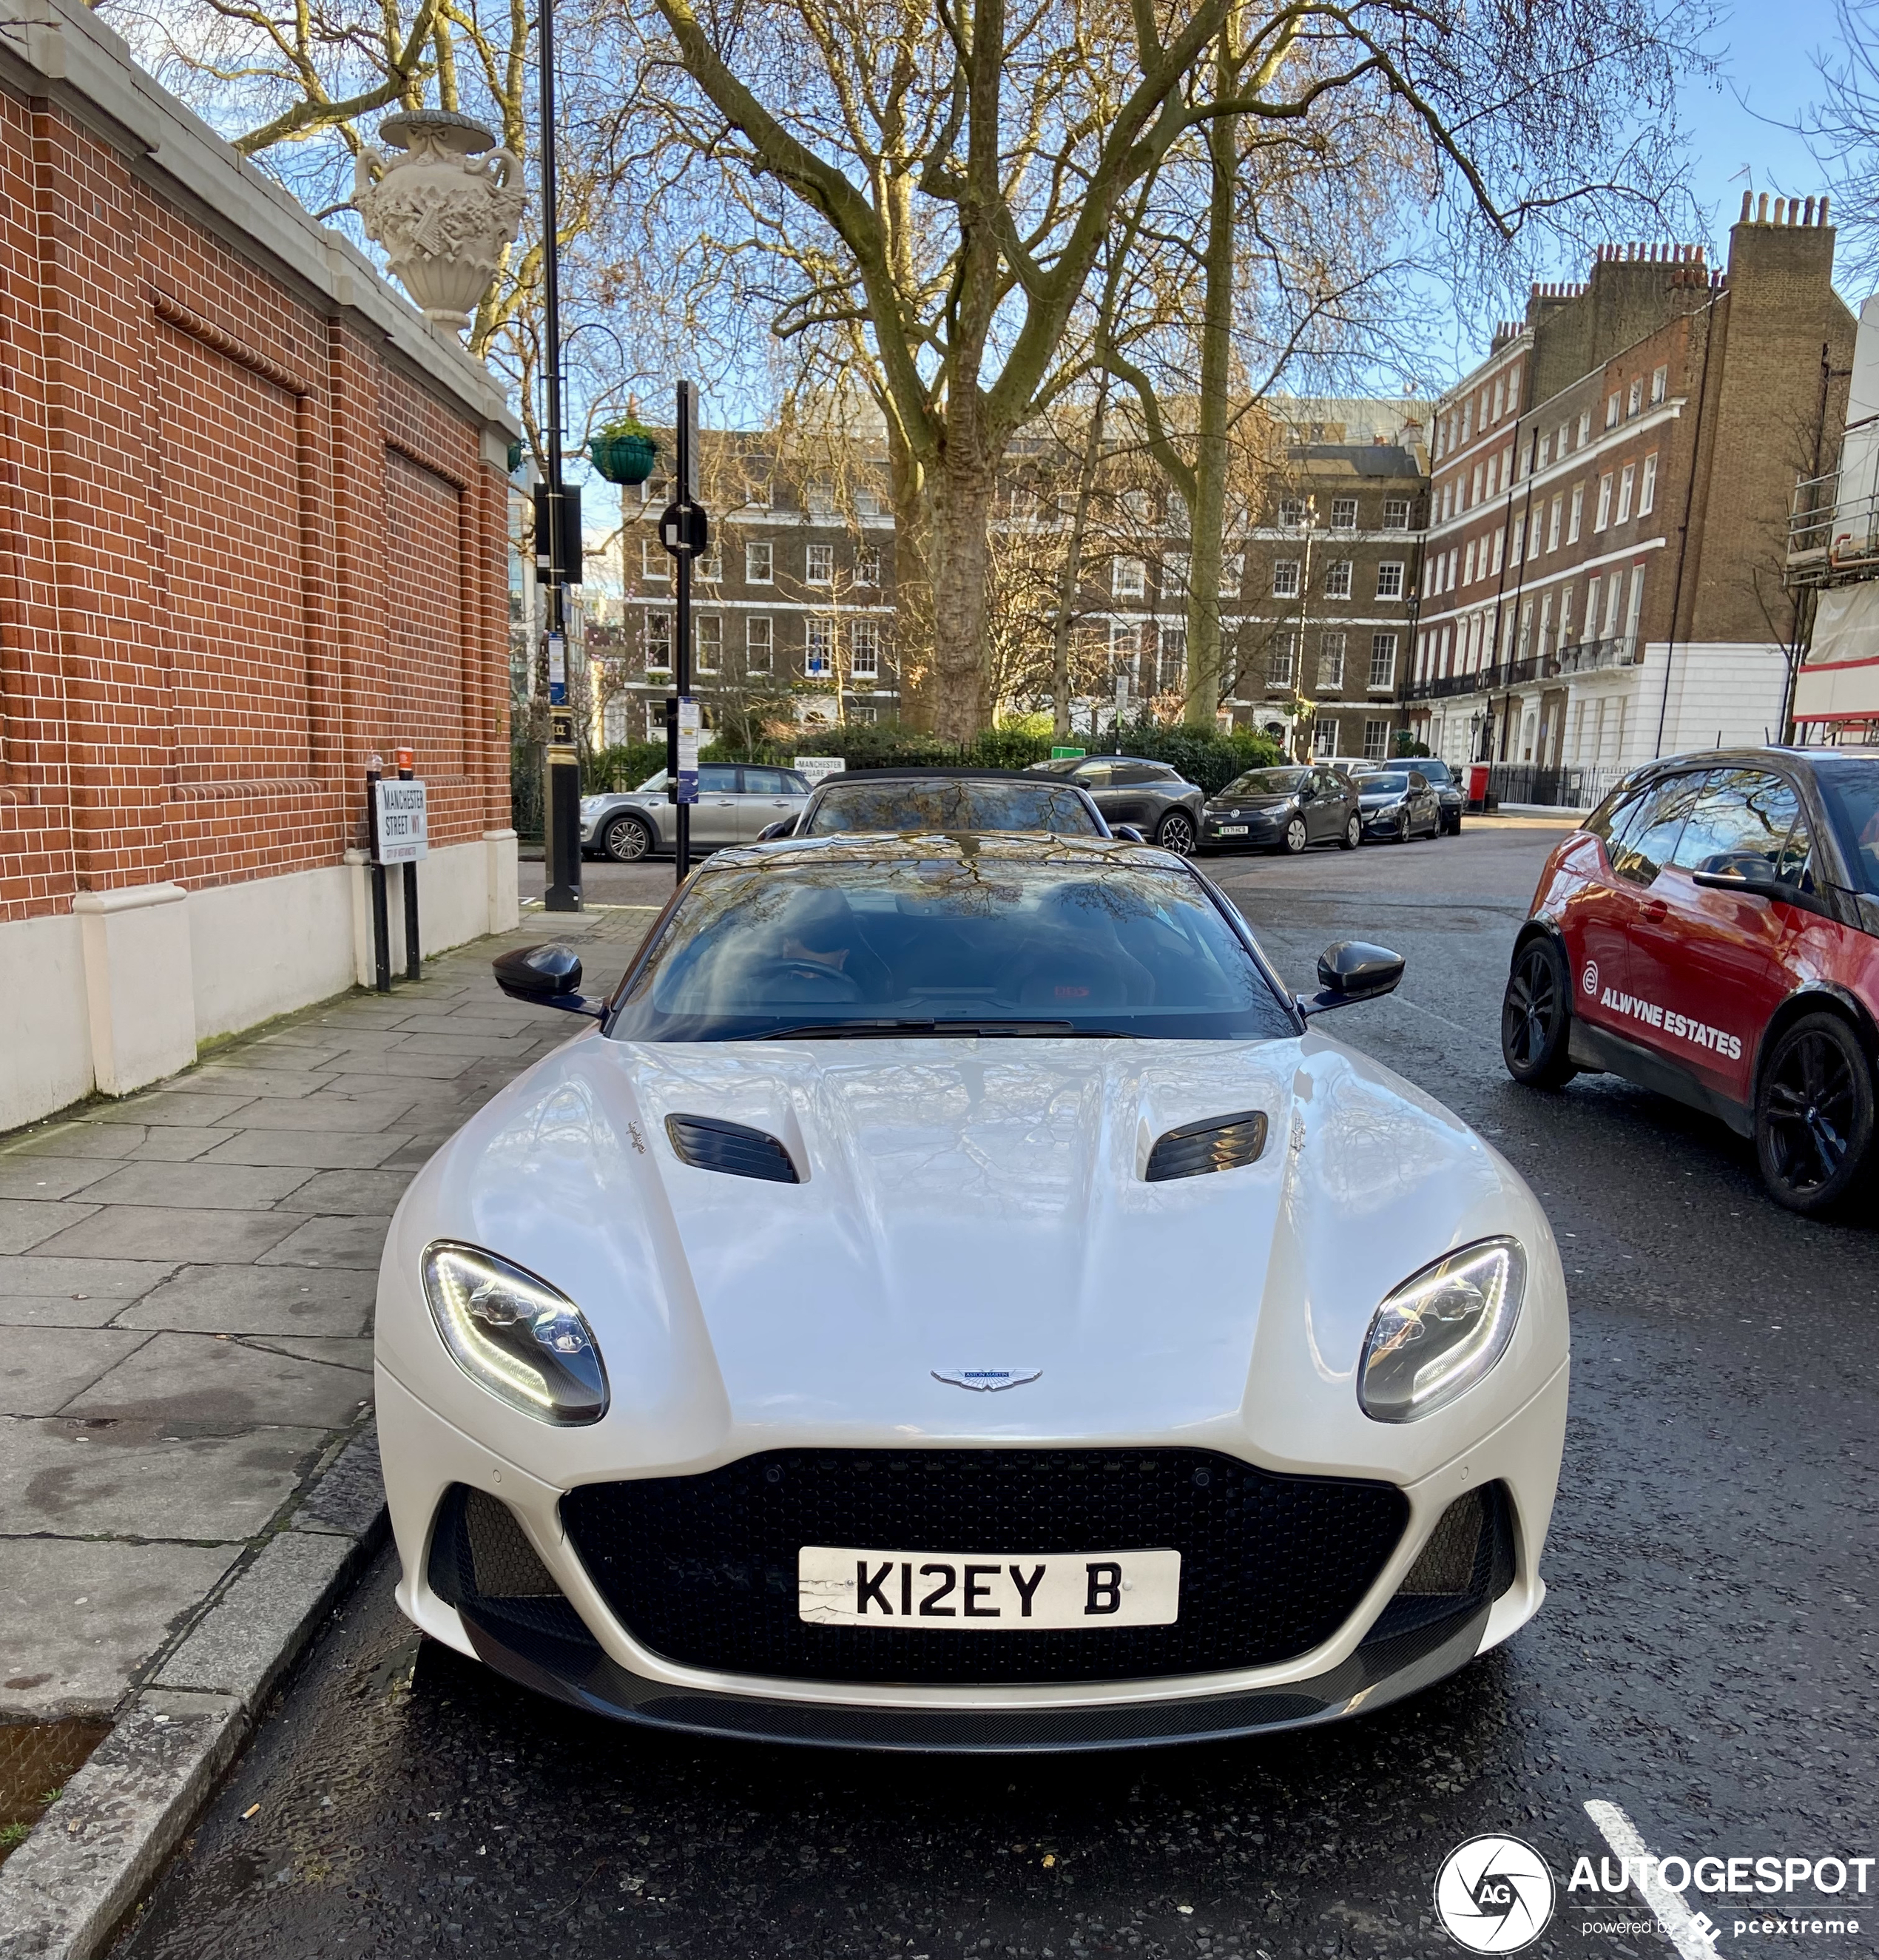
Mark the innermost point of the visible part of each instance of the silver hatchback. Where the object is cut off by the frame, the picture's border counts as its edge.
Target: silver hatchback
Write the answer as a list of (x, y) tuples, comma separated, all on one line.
[(736, 801)]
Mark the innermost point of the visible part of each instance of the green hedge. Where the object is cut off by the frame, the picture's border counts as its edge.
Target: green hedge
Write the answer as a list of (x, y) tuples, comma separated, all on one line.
[(1212, 760)]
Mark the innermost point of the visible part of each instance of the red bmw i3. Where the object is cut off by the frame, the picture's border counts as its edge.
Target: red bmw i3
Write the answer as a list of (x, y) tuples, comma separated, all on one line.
[(1712, 932)]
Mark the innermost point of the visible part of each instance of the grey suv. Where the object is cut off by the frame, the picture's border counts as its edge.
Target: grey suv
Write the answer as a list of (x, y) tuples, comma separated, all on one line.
[(1156, 798), (736, 801)]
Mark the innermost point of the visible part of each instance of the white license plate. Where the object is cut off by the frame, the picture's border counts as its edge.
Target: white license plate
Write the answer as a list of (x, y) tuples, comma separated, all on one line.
[(987, 1592), (1232, 830)]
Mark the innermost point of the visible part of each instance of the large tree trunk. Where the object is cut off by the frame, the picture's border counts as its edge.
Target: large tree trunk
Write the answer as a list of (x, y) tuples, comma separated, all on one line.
[(1070, 580), (1208, 512), (960, 495), (913, 583)]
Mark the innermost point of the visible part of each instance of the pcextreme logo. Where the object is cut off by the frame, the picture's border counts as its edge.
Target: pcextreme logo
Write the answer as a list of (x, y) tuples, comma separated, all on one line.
[(1494, 1895)]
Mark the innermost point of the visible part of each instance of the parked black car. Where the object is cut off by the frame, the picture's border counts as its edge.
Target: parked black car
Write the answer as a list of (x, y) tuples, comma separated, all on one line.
[(1285, 809), (1156, 798), (1399, 804), (941, 799), (1453, 798)]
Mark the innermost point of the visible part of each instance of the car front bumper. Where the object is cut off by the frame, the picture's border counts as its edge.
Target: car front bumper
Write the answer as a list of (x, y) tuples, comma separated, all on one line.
[(1247, 832), (519, 1598)]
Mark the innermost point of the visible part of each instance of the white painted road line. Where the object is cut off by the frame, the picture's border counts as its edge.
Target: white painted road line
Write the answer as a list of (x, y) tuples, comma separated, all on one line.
[(1692, 1939)]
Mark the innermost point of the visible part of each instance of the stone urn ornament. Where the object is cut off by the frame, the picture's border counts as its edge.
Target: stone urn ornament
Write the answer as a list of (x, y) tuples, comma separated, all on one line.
[(442, 210)]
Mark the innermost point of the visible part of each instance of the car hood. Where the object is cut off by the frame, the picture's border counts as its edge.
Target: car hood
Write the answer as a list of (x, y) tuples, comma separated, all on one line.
[(965, 1203), (1382, 795), (1252, 802)]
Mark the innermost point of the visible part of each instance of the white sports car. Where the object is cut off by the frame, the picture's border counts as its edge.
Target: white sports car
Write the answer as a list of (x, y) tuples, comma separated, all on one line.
[(954, 1299)]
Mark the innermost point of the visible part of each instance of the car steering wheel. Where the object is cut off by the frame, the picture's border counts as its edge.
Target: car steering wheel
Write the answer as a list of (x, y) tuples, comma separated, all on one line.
[(784, 978)]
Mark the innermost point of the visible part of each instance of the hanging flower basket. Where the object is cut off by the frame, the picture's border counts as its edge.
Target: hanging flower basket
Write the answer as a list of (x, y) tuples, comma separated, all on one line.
[(623, 453)]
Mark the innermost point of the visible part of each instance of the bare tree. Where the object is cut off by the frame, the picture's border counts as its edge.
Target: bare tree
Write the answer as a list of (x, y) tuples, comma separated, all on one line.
[(1843, 132), (933, 186)]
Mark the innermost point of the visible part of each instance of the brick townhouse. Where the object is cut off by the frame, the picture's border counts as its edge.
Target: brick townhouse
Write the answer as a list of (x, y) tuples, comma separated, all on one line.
[(793, 601), (254, 519), (1610, 505), (797, 598)]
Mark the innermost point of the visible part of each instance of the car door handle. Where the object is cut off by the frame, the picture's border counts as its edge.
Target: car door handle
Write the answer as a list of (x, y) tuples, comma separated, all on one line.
[(1655, 912)]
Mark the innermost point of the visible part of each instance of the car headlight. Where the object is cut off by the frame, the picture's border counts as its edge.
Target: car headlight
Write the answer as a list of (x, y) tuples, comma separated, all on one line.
[(1441, 1330), (515, 1335)]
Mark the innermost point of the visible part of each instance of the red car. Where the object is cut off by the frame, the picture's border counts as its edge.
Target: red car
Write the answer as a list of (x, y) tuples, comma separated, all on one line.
[(1712, 932)]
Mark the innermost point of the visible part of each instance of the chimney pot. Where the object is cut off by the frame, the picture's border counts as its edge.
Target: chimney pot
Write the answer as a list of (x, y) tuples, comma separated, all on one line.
[(1781, 210), (1761, 210), (1748, 197), (1809, 218), (1823, 210)]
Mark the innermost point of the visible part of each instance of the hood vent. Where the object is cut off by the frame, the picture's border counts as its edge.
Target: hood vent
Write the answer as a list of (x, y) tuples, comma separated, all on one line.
[(707, 1143), (1221, 1143)]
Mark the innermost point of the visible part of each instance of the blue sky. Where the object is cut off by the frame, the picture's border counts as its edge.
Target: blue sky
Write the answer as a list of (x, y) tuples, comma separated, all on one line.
[(1767, 77)]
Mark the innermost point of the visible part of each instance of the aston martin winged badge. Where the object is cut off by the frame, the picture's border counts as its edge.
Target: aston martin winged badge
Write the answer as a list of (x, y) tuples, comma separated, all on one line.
[(985, 1379)]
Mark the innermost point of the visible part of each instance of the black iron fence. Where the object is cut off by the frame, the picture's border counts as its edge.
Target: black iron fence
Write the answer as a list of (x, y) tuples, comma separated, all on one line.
[(1573, 787)]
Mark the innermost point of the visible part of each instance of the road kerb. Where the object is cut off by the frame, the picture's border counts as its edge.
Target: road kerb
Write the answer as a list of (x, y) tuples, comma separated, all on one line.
[(94, 1851)]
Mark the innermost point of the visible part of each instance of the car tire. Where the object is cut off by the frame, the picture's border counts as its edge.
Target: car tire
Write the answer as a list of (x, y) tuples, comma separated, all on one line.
[(1294, 838), (1814, 1115), (1176, 832), (626, 839), (1537, 1016), (1353, 836)]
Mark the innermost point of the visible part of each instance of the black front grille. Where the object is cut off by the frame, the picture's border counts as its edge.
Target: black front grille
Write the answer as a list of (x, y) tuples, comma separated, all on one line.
[(703, 1570)]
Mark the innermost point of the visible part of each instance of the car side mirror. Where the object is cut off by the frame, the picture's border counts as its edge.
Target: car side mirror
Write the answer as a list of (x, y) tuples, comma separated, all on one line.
[(784, 826), (545, 976), (1350, 971), (1127, 833)]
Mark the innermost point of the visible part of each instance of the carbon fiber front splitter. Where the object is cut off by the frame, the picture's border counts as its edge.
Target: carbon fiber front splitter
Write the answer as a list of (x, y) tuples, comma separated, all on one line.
[(583, 1676)]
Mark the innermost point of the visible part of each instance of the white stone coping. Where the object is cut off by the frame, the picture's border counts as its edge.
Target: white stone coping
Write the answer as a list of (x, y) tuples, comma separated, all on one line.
[(59, 48)]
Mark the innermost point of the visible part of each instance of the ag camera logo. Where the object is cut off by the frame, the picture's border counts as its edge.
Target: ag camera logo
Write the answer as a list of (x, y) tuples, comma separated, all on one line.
[(1494, 1895)]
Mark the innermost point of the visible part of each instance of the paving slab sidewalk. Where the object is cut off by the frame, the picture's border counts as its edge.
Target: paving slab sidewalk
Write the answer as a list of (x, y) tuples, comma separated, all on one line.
[(186, 1280)]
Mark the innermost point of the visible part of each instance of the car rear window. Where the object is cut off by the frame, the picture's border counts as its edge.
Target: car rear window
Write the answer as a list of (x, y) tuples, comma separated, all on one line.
[(896, 947), (944, 806), (1654, 824)]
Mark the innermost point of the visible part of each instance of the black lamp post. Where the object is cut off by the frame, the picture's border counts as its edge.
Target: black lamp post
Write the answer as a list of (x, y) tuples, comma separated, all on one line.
[(557, 541)]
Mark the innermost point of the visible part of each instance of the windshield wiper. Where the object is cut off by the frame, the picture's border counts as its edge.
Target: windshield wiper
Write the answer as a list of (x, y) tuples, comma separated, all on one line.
[(843, 1030)]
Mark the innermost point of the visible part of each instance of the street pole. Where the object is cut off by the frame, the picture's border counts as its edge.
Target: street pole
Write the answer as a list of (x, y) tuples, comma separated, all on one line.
[(684, 531), (561, 792)]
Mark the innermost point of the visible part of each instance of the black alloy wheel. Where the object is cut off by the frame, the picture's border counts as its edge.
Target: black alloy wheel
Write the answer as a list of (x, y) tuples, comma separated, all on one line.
[(626, 839), (1813, 1115), (1536, 1017), (1354, 834), (1175, 833), (1294, 838)]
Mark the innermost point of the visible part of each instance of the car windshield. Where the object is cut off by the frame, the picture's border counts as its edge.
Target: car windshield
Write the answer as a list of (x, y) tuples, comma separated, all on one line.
[(1434, 772), (656, 781), (1386, 782), (1061, 765), (940, 805), (1268, 782), (951, 941), (1849, 787)]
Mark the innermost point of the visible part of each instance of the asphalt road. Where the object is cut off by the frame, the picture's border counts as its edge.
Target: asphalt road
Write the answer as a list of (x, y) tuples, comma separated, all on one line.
[(1704, 1662)]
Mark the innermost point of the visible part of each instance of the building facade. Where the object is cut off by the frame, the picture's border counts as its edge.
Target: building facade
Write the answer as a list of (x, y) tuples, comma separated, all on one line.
[(254, 524), (1609, 509), (794, 605)]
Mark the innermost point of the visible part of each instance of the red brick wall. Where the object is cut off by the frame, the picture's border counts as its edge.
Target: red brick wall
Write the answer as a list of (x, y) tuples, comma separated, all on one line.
[(241, 546)]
